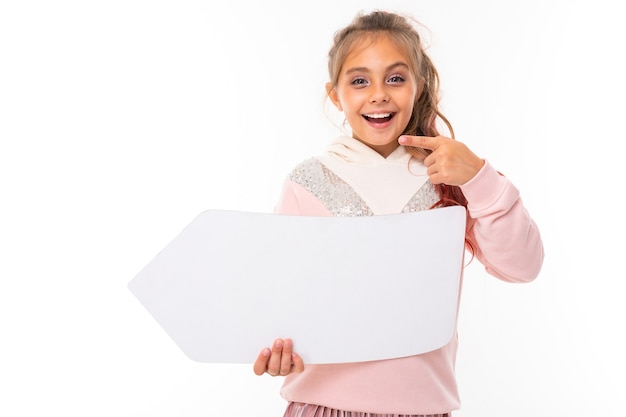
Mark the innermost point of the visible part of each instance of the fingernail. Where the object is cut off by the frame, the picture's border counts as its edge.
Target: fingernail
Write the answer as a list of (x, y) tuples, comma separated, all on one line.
[(402, 139)]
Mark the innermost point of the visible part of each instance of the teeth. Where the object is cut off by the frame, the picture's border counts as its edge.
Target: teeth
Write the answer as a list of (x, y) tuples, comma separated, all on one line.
[(378, 115)]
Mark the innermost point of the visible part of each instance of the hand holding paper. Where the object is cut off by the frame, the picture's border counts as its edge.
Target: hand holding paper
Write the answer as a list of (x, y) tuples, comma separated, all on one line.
[(279, 360)]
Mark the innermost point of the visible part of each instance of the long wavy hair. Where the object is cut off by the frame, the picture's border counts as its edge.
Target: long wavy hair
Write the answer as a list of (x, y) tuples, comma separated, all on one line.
[(426, 113)]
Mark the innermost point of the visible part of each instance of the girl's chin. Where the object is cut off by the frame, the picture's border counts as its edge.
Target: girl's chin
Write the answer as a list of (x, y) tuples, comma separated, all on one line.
[(382, 147), (379, 141)]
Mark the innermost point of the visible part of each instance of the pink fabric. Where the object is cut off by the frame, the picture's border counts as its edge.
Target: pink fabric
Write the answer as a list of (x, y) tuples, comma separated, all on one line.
[(311, 410), (509, 243), (510, 248)]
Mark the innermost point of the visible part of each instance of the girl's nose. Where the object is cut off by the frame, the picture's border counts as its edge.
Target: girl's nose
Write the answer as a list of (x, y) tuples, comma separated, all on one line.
[(379, 94)]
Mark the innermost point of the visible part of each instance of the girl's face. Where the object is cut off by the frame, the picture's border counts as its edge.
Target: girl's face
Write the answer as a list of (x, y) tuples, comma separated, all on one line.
[(376, 90)]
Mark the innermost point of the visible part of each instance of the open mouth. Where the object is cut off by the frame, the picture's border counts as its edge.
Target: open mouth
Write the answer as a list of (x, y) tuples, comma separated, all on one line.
[(378, 117)]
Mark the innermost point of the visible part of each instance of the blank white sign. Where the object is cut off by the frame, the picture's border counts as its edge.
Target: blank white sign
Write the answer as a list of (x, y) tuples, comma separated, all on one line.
[(344, 289)]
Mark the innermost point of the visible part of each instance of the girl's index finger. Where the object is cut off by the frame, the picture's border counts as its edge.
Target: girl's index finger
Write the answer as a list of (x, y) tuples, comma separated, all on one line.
[(426, 142)]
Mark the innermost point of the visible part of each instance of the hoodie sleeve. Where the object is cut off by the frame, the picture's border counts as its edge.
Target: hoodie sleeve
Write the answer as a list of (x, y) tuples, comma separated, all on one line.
[(296, 200), (507, 240)]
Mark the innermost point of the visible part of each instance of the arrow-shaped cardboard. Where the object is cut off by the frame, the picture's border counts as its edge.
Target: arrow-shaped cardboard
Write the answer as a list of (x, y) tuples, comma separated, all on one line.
[(345, 289)]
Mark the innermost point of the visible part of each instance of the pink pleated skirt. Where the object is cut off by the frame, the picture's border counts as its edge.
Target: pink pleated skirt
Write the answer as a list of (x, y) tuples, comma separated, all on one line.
[(311, 410)]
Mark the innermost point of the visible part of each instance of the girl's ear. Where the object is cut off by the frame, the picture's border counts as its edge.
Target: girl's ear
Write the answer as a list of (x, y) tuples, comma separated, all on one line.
[(332, 95)]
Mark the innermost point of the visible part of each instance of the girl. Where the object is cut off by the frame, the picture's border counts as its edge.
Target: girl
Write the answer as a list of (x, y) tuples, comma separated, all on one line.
[(396, 161)]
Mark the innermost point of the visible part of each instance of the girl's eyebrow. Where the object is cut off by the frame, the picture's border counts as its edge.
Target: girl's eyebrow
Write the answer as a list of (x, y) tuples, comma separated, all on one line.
[(389, 68)]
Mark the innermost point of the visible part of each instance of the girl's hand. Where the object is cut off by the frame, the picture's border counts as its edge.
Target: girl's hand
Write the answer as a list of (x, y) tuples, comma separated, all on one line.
[(451, 162), (280, 360)]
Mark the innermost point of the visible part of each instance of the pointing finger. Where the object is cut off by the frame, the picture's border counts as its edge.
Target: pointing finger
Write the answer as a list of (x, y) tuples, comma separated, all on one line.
[(426, 142)]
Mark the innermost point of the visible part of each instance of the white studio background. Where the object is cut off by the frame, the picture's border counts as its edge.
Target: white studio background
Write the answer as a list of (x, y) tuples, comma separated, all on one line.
[(120, 121)]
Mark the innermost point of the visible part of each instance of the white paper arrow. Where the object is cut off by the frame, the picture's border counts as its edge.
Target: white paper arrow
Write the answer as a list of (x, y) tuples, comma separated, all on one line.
[(344, 289)]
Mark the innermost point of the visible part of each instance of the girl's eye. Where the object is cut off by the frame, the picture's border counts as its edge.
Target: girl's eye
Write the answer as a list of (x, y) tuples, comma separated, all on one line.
[(359, 81), (395, 79)]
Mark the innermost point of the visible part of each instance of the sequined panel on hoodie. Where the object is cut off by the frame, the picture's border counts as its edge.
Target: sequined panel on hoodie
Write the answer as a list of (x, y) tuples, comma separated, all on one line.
[(341, 199)]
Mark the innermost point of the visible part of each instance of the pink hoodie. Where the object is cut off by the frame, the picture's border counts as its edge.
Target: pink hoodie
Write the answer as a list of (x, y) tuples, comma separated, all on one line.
[(352, 179)]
